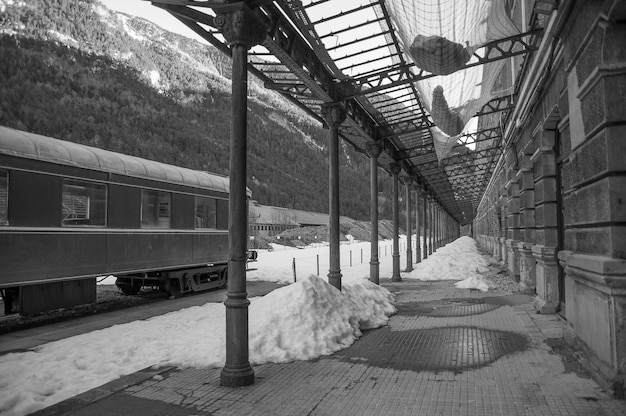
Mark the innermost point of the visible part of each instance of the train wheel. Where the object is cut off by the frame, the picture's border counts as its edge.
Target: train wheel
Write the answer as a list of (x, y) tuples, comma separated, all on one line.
[(129, 289)]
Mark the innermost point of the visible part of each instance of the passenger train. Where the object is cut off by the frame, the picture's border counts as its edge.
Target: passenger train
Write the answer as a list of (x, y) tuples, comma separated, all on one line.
[(70, 213)]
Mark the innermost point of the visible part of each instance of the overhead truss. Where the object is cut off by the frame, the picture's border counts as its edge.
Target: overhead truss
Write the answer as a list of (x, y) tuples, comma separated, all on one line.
[(382, 105)]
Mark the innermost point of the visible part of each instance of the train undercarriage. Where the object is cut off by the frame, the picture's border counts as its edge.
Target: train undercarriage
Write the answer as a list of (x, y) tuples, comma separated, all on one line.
[(175, 282), (42, 297)]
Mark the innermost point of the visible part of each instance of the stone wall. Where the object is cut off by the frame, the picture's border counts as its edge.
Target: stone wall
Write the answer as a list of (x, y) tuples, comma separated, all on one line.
[(556, 210)]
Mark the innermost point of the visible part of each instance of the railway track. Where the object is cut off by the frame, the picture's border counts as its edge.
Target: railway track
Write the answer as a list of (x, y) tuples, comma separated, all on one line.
[(109, 298)]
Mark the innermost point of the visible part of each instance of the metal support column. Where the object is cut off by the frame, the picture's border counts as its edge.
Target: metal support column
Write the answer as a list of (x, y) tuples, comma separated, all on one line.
[(431, 221), (435, 226), (395, 277), (374, 150), (426, 224), (418, 247), (334, 115), (409, 226), (242, 28), (438, 228)]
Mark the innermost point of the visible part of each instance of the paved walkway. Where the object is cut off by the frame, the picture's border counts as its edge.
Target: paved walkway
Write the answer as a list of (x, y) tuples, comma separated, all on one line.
[(448, 351)]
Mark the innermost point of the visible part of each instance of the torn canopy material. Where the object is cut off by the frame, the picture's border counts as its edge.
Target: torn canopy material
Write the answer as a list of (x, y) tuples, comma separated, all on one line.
[(441, 37)]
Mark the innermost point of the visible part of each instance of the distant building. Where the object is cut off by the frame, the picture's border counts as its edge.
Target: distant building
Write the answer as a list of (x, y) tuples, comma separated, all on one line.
[(269, 221)]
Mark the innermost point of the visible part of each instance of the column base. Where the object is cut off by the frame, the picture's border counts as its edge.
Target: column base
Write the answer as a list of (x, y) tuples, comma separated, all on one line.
[(375, 271), (334, 278), (513, 259), (527, 269), (409, 261), (546, 275), (395, 277), (545, 308), (503, 254), (595, 298), (237, 376)]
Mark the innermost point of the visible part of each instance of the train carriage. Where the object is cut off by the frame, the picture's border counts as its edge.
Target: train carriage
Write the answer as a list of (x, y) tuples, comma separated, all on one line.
[(70, 212)]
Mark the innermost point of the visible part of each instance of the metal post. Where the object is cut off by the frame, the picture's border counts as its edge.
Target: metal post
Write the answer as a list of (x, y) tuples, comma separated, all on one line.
[(418, 253), (436, 230), (431, 222), (318, 265), (334, 115), (409, 226), (237, 370), (426, 222), (395, 277), (374, 150)]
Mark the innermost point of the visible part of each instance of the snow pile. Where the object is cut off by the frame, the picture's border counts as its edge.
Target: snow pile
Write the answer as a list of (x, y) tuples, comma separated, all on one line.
[(302, 321), (311, 318), (459, 260)]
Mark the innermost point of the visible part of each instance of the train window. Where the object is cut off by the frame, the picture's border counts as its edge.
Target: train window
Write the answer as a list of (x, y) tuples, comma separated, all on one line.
[(83, 203), (155, 209), (205, 212), (4, 198)]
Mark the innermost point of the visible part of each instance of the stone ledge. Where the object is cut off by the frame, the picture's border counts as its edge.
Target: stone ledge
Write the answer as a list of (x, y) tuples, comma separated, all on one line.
[(544, 251), (512, 244), (541, 150), (595, 264), (526, 247), (604, 274)]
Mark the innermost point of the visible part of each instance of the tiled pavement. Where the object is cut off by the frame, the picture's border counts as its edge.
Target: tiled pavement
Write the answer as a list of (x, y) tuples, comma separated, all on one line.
[(448, 351)]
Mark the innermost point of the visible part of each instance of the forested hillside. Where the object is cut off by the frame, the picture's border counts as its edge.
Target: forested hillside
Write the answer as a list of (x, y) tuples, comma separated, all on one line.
[(76, 71)]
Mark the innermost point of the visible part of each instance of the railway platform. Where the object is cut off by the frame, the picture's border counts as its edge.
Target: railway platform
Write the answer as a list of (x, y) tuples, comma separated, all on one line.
[(447, 351)]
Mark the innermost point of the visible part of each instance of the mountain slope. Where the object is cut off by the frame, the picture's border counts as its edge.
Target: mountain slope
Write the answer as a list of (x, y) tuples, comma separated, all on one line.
[(77, 71)]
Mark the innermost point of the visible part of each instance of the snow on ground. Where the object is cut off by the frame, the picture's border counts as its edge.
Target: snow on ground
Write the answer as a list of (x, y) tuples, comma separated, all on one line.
[(313, 319), (459, 260)]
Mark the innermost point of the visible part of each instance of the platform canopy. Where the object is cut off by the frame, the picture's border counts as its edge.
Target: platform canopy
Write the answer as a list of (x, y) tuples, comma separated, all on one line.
[(432, 81)]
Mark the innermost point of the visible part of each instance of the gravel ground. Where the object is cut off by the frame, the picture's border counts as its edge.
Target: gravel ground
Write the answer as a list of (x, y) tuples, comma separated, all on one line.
[(498, 275)]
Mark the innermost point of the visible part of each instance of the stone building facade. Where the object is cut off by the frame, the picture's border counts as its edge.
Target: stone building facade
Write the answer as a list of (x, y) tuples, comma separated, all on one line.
[(555, 209)]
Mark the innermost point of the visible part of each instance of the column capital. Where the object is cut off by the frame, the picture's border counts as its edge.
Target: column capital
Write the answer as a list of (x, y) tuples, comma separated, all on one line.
[(374, 149), (407, 180), (240, 25), (333, 113), (394, 168)]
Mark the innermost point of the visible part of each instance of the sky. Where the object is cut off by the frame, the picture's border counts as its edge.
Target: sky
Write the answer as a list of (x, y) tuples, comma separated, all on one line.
[(314, 320)]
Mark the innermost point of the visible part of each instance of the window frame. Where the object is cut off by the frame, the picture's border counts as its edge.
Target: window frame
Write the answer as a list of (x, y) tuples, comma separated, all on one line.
[(157, 210), (199, 198), (93, 189)]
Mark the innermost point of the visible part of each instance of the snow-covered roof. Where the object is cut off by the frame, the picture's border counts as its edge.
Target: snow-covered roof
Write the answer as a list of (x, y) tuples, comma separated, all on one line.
[(34, 146)]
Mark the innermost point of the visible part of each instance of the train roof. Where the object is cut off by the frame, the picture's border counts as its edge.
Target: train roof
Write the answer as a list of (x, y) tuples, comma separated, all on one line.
[(34, 146)]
